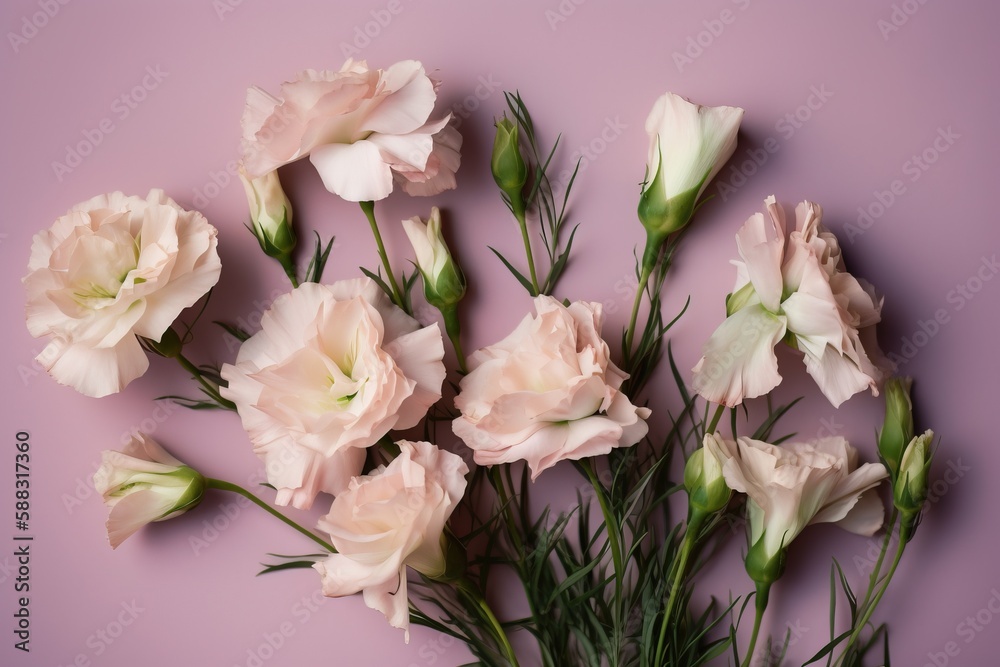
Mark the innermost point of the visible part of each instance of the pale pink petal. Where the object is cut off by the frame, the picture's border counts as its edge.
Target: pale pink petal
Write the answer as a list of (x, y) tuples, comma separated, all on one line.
[(355, 172), (420, 356), (761, 242), (739, 360)]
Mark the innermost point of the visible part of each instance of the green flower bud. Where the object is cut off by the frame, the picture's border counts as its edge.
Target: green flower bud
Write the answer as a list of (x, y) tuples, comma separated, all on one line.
[(270, 214), (897, 429), (444, 283), (510, 171), (168, 346), (910, 489), (707, 489)]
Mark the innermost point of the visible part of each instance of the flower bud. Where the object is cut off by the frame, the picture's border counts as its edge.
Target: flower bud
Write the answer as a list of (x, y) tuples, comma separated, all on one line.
[(510, 171), (143, 484), (897, 429), (168, 346), (910, 489), (706, 487), (689, 143), (270, 214), (444, 283)]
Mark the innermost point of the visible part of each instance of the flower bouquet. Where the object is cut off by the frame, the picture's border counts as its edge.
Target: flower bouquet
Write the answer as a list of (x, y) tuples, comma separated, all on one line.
[(343, 392)]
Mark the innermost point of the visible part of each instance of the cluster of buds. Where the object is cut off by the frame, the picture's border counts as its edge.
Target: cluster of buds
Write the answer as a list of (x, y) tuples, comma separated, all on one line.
[(906, 456)]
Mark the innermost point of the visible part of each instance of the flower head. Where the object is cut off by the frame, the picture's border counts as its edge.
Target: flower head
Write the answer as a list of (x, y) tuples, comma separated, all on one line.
[(332, 370), (391, 519), (688, 145), (142, 484), (547, 392), (361, 128), (112, 269), (796, 290), (795, 485)]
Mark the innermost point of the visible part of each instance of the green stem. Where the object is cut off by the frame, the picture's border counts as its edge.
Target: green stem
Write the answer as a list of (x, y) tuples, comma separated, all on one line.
[(474, 595), (639, 291), (522, 222), (670, 604), (211, 388), (453, 327), (763, 592), (610, 525), (884, 585), (233, 488), (289, 266), (715, 419), (397, 295)]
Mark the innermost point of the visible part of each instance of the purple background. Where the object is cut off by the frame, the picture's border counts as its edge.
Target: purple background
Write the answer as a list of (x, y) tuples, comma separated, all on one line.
[(881, 92)]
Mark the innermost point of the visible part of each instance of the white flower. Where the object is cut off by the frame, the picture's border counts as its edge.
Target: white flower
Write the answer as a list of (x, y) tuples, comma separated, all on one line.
[(332, 370), (688, 145), (111, 269), (387, 520), (270, 213)]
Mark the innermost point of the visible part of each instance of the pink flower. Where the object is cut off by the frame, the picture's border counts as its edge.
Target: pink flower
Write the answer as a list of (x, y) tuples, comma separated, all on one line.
[(111, 269), (387, 520), (361, 128), (799, 291), (332, 370), (142, 484), (547, 392), (796, 485)]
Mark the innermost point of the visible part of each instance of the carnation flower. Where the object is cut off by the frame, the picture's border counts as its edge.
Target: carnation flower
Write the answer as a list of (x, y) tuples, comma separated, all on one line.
[(360, 128), (547, 392), (112, 269), (333, 369)]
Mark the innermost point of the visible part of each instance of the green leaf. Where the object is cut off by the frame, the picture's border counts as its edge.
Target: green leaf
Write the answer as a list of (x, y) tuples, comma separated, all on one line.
[(520, 278)]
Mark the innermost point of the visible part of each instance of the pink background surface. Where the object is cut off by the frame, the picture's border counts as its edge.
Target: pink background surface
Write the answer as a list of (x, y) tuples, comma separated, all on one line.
[(886, 95)]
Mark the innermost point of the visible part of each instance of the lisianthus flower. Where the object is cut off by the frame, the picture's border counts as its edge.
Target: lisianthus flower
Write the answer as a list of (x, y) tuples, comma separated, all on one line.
[(688, 145), (332, 370), (796, 485), (547, 392), (114, 268), (799, 291), (360, 128), (142, 484), (388, 520)]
